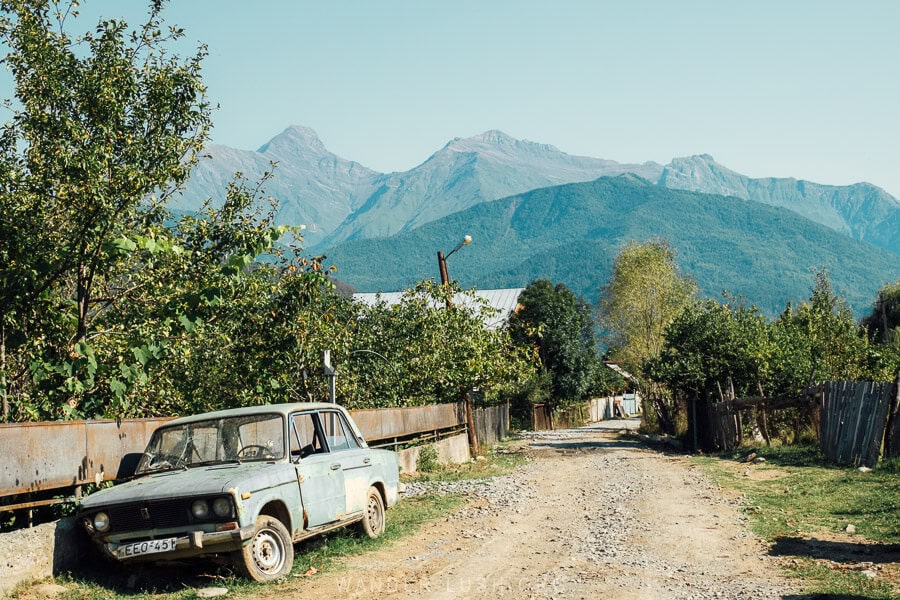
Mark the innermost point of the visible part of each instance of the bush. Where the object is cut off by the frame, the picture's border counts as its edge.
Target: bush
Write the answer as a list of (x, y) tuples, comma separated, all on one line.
[(428, 459)]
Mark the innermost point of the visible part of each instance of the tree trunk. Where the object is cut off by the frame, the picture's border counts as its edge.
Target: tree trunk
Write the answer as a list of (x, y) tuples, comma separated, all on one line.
[(4, 399), (82, 293)]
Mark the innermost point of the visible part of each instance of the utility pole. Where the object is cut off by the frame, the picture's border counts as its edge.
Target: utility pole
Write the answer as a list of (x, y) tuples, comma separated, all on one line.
[(331, 373), (445, 281)]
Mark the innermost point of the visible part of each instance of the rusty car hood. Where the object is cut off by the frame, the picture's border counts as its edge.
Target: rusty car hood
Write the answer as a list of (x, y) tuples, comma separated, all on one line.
[(196, 481)]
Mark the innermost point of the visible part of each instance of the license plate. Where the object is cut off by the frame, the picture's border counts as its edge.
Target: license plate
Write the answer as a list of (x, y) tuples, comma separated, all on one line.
[(147, 547)]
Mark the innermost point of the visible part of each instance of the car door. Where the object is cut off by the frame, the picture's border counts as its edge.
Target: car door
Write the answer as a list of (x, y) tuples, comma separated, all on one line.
[(355, 461), (319, 474)]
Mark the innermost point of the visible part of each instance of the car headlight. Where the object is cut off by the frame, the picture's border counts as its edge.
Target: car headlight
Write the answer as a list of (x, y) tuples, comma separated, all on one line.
[(101, 522), (200, 509), (222, 507)]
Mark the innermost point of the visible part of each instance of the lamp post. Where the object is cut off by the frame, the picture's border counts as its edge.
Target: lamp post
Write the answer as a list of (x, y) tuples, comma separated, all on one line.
[(442, 266), (445, 281)]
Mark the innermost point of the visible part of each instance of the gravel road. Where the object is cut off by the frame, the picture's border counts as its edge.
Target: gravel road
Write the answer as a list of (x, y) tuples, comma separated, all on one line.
[(588, 516)]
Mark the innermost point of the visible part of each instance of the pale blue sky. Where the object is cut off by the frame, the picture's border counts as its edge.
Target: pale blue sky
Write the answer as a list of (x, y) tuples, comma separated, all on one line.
[(802, 88)]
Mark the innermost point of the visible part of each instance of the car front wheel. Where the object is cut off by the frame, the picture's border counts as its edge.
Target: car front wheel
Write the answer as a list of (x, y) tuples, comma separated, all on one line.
[(270, 553), (373, 519)]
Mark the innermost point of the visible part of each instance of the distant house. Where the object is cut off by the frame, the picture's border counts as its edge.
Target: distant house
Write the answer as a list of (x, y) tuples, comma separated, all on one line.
[(505, 301)]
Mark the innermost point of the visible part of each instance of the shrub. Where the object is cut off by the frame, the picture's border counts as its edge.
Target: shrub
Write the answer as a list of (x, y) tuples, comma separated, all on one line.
[(428, 459)]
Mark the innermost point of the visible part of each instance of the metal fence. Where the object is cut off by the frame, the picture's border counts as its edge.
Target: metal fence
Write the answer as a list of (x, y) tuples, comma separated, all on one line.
[(47, 456), (53, 456)]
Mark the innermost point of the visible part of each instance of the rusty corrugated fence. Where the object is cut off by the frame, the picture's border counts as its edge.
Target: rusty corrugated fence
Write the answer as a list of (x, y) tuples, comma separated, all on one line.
[(36, 457), (44, 456)]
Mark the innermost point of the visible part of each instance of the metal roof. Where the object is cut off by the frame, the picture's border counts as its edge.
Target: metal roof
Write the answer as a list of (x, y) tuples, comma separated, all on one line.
[(504, 300)]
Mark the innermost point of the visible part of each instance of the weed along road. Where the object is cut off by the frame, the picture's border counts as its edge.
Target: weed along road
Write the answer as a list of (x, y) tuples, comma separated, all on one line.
[(587, 516)]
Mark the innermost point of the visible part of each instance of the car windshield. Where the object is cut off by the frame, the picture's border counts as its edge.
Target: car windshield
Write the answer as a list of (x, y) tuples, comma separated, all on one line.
[(230, 439)]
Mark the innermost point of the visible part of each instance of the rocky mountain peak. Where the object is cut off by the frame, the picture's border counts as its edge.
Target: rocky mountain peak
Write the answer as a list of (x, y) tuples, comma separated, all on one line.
[(496, 142), (296, 140)]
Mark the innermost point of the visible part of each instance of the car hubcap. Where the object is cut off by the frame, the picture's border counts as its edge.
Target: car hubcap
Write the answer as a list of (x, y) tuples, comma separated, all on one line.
[(374, 514), (267, 551)]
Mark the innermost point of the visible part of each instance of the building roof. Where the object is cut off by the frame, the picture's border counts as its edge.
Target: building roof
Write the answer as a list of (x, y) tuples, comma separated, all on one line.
[(615, 367), (504, 300)]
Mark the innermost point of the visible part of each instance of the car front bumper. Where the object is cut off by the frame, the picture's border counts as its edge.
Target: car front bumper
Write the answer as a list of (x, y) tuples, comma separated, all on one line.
[(186, 544)]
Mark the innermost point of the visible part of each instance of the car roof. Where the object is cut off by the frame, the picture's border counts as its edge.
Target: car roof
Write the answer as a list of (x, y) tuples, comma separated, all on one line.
[(281, 409)]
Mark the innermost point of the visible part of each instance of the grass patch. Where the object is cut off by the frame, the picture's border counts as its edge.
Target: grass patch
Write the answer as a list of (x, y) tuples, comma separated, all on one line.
[(498, 460), (822, 580), (799, 494), (795, 495)]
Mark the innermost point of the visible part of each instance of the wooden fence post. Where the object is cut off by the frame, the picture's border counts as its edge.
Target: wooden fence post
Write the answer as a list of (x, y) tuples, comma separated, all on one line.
[(892, 431), (470, 425)]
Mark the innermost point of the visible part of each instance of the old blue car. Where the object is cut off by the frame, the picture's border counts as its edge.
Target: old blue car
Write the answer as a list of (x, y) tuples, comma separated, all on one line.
[(245, 483)]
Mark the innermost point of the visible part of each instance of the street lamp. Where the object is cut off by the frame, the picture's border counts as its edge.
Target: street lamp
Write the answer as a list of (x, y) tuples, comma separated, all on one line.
[(445, 281), (442, 264)]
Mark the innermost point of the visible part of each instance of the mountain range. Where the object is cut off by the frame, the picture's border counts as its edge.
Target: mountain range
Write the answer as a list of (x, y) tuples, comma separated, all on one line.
[(338, 200), (755, 236)]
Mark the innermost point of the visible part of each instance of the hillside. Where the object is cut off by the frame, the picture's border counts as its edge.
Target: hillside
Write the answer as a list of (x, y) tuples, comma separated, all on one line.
[(571, 233), (861, 211)]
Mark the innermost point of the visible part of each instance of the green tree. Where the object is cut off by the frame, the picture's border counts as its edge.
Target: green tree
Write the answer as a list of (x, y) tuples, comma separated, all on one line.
[(710, 347), (883, 323), (561, 326), (221, 315), (646, 292), (838, 347), (105, 127), (419, 352)]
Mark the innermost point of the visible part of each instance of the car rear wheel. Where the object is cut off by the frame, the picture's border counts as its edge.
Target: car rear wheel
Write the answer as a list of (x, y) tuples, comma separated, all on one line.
[(373, 519), (270, 553)]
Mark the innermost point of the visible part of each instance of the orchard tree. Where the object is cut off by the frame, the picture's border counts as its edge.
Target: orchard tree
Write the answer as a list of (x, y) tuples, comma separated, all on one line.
[(711, 346), (560, 325), (418, 351), (838, 347), (104, 127), (209, 325)]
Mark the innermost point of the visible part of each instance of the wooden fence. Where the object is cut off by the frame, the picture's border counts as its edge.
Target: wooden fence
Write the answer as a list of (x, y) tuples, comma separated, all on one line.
[(541, 417), (856, 419), (853, 420), (491, 423), (576, 415)]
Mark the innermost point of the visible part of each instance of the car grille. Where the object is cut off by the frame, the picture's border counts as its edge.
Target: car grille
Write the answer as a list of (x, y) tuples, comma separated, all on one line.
[(158, 514)]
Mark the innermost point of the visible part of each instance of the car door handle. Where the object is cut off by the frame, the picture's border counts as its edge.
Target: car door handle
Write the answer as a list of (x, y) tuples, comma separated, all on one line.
[(367, 460), (335, 466)]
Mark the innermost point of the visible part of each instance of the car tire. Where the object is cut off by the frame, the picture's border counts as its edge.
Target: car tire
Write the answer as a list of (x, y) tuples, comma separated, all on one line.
[(269, 555), (373, 516)]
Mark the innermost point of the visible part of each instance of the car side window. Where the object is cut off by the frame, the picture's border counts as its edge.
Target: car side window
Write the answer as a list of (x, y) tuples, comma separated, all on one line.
[(306, 438), (337, 432)]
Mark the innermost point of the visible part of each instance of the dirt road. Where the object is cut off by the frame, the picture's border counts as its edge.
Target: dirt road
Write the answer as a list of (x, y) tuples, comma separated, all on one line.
[(589, 516)]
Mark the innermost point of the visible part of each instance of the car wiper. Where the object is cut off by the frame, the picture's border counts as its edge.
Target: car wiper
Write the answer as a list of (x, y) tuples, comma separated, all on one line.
[(207, 463)]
